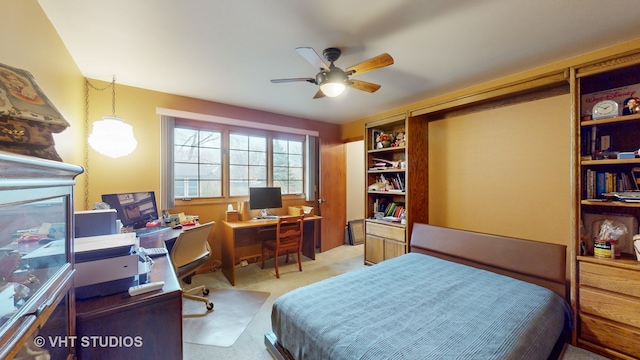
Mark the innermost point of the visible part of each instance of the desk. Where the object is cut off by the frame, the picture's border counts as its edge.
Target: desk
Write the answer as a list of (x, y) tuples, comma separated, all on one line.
[(248, 235), (155, 317)]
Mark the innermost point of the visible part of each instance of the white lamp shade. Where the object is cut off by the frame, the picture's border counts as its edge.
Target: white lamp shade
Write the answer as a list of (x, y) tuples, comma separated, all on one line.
[(112, 137), (332, 89)]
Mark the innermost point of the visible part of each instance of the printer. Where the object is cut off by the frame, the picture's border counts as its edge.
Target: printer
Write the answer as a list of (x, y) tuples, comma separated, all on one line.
[(104, 264), (108, 264)]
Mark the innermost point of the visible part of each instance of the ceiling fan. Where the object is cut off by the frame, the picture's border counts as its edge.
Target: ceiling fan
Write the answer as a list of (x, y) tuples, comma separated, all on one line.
[(332, 79)]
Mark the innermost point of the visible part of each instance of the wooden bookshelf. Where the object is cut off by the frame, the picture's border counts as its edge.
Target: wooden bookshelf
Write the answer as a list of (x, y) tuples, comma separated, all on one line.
[(386, 235), (606, 289)]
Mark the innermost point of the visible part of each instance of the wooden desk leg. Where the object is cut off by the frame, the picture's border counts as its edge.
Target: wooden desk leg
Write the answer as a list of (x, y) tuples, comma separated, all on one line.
[(309, 240), (228, 255)]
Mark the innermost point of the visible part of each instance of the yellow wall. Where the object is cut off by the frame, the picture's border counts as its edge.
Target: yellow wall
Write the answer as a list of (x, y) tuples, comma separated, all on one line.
[(29, 42), (504, 171)]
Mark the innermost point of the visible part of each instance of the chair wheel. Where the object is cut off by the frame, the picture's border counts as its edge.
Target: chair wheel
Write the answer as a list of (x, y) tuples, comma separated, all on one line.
[(210, 306), (205, 292)]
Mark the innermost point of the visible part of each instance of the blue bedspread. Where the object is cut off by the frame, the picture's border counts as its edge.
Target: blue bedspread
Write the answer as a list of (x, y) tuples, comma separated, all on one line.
[(420, 307)]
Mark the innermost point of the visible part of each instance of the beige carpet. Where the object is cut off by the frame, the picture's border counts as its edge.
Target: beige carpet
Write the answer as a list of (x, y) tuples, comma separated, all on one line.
[(233, 311)]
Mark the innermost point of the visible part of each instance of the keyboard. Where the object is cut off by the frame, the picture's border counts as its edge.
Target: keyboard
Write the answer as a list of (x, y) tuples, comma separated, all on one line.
[(151, 230), (152, 252)]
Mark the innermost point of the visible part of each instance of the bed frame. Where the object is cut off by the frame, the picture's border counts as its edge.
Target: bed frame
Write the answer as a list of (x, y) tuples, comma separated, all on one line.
[(535, 262)]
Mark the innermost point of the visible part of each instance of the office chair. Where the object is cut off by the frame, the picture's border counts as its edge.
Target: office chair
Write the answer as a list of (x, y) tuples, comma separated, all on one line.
[(288, 239), (191, 250)]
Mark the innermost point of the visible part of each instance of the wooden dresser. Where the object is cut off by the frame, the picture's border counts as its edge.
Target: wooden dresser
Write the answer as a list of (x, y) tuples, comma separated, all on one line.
[(609, 307)]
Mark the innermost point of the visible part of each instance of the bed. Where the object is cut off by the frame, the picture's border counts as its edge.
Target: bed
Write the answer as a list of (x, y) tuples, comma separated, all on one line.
[(455, 295)]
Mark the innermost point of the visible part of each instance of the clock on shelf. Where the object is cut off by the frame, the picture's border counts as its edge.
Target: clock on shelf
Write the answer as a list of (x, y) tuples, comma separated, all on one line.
[(604, 109)]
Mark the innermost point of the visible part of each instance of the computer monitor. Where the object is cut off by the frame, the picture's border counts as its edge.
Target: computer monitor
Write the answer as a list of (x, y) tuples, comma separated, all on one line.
[(133, 209), (265, 198)]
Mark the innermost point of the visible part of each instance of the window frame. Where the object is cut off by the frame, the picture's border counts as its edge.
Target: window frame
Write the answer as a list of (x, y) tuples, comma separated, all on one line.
[(226, 130)]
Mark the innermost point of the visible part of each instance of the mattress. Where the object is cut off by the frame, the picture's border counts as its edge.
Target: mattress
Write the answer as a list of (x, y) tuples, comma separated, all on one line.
[(420, 307)]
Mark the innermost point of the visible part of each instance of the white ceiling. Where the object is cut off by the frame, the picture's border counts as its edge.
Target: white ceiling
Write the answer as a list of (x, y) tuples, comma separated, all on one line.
[(227, 51)]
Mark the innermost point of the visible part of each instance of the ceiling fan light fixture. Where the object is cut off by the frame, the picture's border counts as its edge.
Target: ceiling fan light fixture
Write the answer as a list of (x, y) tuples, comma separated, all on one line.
[(332, 83), (332, 89)]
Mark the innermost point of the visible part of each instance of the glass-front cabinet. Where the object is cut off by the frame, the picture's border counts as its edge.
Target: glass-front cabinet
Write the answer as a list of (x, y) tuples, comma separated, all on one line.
[(36, 285)]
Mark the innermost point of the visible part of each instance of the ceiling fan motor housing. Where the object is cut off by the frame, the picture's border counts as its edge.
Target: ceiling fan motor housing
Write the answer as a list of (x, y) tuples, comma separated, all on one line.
[(331, 54), (334, 75)]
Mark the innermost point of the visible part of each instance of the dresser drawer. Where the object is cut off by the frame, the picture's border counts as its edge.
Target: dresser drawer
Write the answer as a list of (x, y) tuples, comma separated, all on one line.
[(610, 335), (609, 305), (386, 231), (610, 278)]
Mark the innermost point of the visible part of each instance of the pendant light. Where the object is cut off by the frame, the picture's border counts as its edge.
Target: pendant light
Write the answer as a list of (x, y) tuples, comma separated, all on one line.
[(111, 136)]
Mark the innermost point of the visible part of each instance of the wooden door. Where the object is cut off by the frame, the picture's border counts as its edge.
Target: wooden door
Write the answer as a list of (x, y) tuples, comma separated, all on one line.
[(332, 195)]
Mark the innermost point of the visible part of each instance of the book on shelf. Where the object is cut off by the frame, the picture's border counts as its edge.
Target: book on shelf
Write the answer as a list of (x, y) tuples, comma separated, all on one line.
[(384, 164), (635, 174), (392, 183), (394, 209), (400, 182), (596, 184)]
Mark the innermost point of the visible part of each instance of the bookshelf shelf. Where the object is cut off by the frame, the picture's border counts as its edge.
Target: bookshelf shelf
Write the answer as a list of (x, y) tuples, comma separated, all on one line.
[(386, 171), (614, 120), (620, 204), (399, 149), (387, 192), (610, 162)]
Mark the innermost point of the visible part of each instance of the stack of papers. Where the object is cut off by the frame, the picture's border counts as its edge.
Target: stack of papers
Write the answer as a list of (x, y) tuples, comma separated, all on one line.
[(626, 196)]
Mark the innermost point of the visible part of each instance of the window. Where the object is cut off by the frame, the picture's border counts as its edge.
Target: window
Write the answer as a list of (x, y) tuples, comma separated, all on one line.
[(197, 163), (288, 166), (247, 163), (213, 161)]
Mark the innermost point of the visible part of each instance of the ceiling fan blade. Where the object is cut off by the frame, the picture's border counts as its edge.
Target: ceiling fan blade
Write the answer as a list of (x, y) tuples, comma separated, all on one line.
[(319, 94), (364, 86), (371, 64), (311, 80), (313, 58)]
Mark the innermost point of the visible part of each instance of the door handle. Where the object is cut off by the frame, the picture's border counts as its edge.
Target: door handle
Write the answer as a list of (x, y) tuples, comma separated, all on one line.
[(320, 201)]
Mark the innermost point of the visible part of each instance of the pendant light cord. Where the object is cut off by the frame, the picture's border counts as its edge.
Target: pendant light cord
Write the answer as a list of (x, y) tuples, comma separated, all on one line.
[(86, 127)]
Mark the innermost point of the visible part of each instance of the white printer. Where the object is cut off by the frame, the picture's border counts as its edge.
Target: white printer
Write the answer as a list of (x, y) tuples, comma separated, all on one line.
[(107, 264)]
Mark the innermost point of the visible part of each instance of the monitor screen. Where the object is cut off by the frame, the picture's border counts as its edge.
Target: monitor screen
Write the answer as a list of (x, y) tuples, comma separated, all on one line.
[(133, 209), (264, 198)]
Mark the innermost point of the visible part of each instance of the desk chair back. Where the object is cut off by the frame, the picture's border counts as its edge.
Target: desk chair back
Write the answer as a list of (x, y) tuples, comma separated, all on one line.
[(189, 252), (288, 240), (191, 246)]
